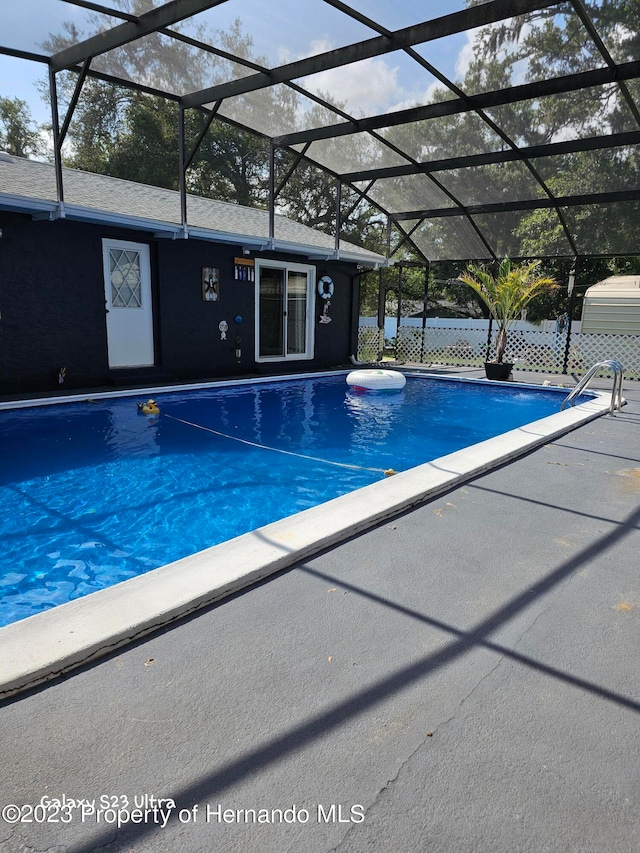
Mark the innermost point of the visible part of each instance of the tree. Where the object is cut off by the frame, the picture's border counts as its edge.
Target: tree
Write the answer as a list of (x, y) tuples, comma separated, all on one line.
[(231, 165), (543, 44), (507, 293), (113, 124), (18, 133), (309, 194)]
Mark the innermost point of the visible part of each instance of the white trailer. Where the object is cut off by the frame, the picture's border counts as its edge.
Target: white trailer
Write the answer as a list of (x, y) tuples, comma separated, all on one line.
[(612, 306)]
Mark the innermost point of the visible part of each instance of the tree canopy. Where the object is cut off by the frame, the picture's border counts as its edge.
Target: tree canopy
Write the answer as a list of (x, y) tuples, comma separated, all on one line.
[(18, 133), (540, 45)]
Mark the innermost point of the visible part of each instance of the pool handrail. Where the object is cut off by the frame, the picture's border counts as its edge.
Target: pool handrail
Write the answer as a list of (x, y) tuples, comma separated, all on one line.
[(616, 391)]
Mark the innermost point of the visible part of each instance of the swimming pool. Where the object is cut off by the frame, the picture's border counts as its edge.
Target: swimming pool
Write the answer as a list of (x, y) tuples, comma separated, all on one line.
[(94, 493)]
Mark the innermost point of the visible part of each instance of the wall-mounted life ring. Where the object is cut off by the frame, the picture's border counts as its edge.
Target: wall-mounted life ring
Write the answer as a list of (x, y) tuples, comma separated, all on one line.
[(325, 287)]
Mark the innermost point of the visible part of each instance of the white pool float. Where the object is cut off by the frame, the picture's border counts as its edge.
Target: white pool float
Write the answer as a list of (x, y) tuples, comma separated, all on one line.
[(376, 380)]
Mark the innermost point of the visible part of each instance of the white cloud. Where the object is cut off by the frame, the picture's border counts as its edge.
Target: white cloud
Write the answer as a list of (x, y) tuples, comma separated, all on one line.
[(366, 88), (374, 86), (427, 96), (319, 46), (285, 55), (465, 57)]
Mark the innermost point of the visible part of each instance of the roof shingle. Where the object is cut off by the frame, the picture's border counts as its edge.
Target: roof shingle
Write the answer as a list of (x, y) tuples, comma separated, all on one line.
[(94, 197)]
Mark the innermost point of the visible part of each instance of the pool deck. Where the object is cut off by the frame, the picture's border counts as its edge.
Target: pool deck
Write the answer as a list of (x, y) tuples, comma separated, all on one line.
[(464, 675)]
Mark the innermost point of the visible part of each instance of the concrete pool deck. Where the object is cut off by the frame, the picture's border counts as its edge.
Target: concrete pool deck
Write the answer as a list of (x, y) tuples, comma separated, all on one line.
[(464, 675)]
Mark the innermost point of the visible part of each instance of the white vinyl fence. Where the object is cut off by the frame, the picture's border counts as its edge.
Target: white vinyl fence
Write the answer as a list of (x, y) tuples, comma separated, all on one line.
[(528, 348)]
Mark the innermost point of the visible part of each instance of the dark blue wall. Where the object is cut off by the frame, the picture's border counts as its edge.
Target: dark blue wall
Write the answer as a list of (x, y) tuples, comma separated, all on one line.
[(52, 309)]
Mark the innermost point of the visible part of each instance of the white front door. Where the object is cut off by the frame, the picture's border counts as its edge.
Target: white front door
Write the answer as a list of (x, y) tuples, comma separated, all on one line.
[(127, 288)]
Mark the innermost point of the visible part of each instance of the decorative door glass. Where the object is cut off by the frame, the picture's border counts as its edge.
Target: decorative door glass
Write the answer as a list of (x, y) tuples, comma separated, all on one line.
[(126, 284)]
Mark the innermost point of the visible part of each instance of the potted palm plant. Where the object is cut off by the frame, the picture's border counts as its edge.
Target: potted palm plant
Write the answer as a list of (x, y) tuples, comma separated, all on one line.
[(505, 295)]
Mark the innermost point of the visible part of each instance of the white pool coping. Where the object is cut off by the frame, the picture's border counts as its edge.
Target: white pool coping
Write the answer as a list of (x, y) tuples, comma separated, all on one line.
[(44, 646)]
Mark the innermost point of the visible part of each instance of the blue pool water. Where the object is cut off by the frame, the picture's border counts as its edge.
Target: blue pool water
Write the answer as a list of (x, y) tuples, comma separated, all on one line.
[(94, 493)]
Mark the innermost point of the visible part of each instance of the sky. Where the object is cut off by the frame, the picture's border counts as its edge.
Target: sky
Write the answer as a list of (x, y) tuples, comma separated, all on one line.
[(280, 34)]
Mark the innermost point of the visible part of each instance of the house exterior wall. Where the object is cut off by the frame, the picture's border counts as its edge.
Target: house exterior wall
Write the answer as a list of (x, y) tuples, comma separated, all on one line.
[(52, 309)]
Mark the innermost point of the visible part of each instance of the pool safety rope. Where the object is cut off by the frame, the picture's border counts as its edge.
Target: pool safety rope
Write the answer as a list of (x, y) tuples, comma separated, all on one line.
[(388, 472)]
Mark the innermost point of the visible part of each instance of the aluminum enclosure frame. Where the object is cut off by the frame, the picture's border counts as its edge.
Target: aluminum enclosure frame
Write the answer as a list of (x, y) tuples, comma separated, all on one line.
[(161, 18)]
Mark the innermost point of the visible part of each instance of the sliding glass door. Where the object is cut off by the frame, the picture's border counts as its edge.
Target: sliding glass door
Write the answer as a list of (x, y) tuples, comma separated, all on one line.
[(285, 302)]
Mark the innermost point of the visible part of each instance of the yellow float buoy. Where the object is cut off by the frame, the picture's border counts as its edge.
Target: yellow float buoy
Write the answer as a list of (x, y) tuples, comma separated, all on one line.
[(149, 408)]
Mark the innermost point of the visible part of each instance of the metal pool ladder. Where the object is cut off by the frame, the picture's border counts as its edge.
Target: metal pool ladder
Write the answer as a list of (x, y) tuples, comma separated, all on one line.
[(616, 391)]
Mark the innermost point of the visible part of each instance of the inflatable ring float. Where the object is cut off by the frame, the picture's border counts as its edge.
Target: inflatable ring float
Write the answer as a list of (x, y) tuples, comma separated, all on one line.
[(376, 380)]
